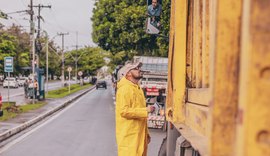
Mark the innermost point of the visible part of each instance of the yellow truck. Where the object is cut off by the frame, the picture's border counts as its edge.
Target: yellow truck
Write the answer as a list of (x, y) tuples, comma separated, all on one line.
[(219, 78)]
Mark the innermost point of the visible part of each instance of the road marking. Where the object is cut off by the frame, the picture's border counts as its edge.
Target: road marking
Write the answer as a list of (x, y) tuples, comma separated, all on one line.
[(56, 86), (17, 94), (19, 139)]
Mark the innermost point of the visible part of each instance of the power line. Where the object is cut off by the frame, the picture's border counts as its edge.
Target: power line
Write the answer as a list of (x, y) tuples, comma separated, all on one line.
[(39, 17), (32, 40)]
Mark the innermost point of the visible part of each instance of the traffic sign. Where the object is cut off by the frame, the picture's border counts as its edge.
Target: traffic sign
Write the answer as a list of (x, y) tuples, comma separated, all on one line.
[(8, 64), (69, 69), (80, 73)]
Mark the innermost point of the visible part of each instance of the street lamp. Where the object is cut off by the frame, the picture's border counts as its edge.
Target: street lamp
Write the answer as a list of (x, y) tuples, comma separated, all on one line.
[(76, 59), (47, 59)]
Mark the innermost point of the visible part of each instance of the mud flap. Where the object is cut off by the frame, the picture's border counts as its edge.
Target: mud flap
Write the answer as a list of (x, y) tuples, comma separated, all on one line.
[(184, 148)]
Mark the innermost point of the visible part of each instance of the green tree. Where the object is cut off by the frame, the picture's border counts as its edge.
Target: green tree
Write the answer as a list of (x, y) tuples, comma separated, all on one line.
[(163, 42), (54, 58), (22, 49), (120, 26), (7, 48), (90, 59), (15, 42)]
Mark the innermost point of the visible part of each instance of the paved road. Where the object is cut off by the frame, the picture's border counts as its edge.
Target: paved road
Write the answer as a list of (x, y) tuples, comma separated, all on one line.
[(87, 127), (14, 93)]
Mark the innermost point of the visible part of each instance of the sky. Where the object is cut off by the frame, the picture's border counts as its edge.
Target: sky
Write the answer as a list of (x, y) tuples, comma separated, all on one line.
[(65, 16)]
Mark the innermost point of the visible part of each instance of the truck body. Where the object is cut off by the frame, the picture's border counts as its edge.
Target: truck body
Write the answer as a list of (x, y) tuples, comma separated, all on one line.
[(218, 80)]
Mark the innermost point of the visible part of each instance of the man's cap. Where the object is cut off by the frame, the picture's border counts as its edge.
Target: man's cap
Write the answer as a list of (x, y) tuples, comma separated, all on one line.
[(125, 69)]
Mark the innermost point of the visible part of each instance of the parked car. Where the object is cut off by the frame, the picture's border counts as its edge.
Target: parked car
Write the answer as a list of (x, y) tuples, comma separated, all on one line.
[(1, 79), (11, 81), (21, 81), (86, 80), (101, 84)]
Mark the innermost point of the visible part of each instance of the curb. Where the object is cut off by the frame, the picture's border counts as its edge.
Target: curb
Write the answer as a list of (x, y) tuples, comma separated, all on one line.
[(35, 120)]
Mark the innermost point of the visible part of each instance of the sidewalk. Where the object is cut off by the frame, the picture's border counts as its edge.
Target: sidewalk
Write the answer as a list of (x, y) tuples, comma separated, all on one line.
[(25, 120)]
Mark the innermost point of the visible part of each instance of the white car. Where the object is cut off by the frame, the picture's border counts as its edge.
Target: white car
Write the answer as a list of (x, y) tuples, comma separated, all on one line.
[(1, 79), (11, 81), (86, 80), (21, 81)]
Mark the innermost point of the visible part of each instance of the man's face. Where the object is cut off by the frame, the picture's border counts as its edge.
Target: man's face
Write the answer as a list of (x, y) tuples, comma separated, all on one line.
[(154, 3), (136, 73)]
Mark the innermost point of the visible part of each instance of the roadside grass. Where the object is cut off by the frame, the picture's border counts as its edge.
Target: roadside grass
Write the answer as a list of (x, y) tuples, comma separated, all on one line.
[(64, 91), (59, 93), (21, 109)]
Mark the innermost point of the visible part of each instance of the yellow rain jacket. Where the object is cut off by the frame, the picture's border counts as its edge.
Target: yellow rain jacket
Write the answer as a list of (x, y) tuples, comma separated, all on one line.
[(131, 119)]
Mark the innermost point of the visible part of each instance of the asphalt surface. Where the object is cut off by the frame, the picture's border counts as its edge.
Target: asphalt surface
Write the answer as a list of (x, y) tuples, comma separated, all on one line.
[(85, 127)]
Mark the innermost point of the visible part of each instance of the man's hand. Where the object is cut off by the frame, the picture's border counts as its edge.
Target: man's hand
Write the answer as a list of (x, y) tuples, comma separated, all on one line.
[(150, 109)]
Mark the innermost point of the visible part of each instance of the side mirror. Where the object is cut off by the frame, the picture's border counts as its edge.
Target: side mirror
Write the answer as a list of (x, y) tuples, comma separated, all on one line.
[(154, 9), (151, 28)]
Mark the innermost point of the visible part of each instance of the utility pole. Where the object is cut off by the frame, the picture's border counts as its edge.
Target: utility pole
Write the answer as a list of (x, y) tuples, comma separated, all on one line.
[(76, 62), (32, 33), (76, 57), (32, 41), (47, 61), (63, 57), (38, 44), (39, 16)]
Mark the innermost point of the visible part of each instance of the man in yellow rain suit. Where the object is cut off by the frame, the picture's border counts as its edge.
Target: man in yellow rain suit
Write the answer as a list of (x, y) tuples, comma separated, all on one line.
[(132, 134)]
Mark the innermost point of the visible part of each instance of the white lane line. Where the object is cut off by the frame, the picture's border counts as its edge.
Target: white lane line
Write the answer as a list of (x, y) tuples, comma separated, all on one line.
[(17, 94), (12, 143)]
